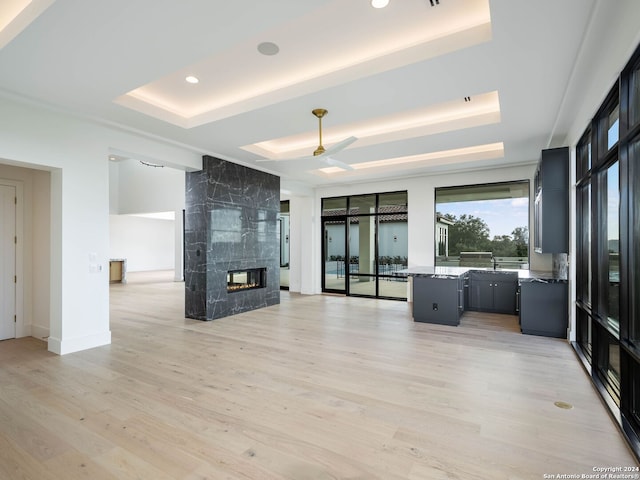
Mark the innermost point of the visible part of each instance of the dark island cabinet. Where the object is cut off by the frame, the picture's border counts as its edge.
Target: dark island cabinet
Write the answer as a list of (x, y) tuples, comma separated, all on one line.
[(438, 299), (493, 292)]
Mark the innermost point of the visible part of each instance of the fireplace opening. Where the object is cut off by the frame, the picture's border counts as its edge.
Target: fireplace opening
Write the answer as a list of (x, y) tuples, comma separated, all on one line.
[(240, 280)]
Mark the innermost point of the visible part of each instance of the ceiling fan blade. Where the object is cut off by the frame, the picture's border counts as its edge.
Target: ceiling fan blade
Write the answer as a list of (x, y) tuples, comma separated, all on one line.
[(337, 163), (335, 148)]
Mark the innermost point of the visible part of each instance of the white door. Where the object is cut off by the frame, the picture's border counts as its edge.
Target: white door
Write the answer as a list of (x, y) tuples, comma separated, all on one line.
[(7, 262)]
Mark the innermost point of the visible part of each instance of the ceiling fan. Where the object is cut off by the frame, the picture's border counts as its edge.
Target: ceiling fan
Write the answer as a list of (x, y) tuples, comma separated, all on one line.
[(324, 154)]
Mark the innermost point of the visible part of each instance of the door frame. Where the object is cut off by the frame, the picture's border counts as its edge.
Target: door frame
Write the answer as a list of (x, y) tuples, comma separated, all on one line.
[(324, 246), (22, 330)]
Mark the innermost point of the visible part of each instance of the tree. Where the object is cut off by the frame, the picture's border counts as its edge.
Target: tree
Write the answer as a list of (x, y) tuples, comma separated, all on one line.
[(467, 234), (521, 241), (502, 246)]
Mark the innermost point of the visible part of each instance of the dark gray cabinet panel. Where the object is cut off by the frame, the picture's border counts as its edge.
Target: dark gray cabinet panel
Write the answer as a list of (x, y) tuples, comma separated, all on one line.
[(504, 297), (493, 292), (481, 297), (438, 300), (544, 308), (551, 202)]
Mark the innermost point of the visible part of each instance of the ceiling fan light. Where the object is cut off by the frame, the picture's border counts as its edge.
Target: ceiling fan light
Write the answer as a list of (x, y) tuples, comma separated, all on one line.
[(379, 3)]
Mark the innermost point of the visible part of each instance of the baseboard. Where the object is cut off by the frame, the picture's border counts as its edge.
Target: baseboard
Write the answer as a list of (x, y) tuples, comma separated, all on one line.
[(76, 344), (41, 333)]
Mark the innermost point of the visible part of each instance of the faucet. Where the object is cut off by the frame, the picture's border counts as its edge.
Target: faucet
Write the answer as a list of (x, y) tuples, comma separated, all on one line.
[(493, 259)]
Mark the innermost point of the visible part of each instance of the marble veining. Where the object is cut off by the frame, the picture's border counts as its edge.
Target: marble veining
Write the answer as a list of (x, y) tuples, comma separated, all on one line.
[(231, 223)]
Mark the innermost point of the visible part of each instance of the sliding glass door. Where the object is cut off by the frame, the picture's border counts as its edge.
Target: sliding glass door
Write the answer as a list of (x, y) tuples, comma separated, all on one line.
[(335, 253), (365, 244)]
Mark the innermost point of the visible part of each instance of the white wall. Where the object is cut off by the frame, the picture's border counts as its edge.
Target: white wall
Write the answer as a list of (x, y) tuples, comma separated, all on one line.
[(606, 48), (114, 188), (146, 243), (144, 189), (75, 151), (304, 245)]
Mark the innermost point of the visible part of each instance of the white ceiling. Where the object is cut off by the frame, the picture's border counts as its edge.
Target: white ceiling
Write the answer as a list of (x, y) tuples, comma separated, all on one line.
[(396, 78)]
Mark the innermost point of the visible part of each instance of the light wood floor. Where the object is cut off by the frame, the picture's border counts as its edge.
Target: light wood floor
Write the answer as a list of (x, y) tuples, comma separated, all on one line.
[(316, 388)]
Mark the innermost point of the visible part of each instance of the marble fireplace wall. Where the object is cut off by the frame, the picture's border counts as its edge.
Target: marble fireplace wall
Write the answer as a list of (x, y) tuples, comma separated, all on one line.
[(231, 223)]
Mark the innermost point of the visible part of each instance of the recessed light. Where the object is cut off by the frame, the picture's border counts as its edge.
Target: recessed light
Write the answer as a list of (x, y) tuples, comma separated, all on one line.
[(191, 79), (379, 3), (268, 48)]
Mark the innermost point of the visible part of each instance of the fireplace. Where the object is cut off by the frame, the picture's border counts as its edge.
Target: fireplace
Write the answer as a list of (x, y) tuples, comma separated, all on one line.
[(248, 279)]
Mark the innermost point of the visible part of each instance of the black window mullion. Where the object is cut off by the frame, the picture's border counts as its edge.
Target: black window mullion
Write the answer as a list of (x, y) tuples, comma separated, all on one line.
[(347, 255), (625, 240), (376, 238)]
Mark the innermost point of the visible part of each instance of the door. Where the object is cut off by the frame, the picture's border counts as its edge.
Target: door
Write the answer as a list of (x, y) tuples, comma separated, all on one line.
[(284, 244), (504, 297), (334, 248), (7, 261), (481, 297)]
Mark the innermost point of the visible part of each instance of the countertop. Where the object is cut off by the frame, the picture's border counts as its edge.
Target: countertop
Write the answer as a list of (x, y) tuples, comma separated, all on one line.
[(454, 272)]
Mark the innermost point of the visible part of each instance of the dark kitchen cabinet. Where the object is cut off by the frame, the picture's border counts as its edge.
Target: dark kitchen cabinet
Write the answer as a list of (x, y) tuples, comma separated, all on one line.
[(438, 299), (493, 292), (544, 308), (551, 202), (481, 295)]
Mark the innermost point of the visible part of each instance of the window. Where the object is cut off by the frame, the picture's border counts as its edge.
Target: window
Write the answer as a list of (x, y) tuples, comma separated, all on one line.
[(634, 225), (613, 127), (479, 225), (634, 97), (612, 245), (584, 270), (583, 201), (608, 250), (609, 363), (584, 332), (583, 155), (332, 207)]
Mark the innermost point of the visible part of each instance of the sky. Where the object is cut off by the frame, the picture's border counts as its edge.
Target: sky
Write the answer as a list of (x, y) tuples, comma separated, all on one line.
[(502, 216)]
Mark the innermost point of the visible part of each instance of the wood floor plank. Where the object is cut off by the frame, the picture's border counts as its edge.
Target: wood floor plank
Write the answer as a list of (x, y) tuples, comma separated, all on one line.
[(17, 463), (318, 387)]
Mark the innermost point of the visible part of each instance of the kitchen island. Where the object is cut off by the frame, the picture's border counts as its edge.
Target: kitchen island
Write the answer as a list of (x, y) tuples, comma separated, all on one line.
[(441, 295), (438, 293)]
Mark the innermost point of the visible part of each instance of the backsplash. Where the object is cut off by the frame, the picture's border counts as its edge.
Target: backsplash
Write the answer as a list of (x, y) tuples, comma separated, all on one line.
[(560, 265)]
